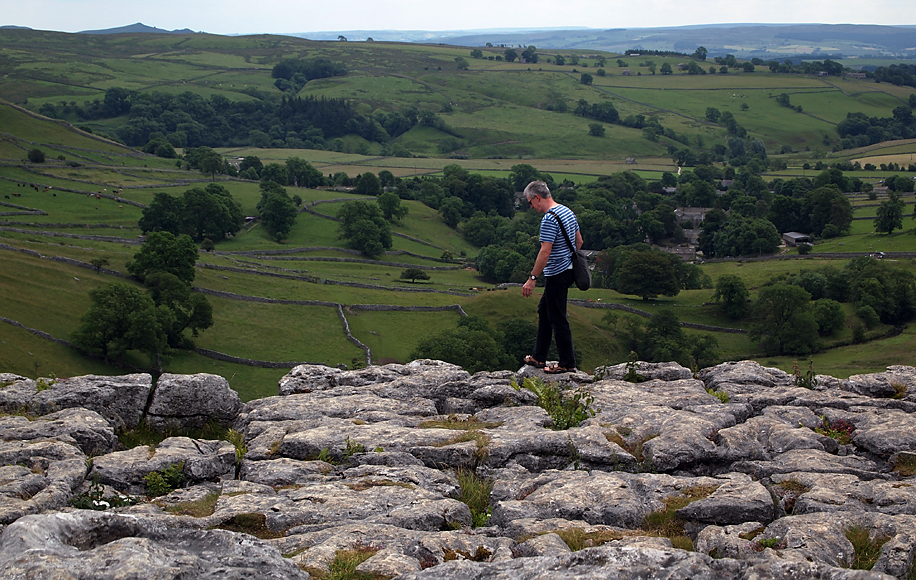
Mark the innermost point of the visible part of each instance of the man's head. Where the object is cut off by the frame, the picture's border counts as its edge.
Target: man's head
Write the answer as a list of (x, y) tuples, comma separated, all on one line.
[(536, 193)]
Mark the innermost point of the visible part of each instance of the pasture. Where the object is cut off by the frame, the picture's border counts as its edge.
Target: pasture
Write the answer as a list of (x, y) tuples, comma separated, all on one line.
[(499, 109)]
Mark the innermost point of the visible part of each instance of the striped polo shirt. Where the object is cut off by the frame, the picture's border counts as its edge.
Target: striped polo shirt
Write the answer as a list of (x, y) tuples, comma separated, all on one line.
[(560, 255)]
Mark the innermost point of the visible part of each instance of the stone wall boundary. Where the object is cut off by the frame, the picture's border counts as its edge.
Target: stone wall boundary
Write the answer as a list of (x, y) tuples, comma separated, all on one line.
[(315, 280), (216, 355), (74, 236), (395, 308), (644, 314), (261, 299), (352, 338), (36, 332), (357, 260), (64, 260)]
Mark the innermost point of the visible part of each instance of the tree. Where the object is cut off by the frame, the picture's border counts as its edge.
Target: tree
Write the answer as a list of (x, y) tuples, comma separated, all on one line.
[(275, 172), (664, 339), (510, 55), (462, 63), (365, 228), (164, 252), (211, 213), (178, 308), (890, 214), (712, 114), (121, 318), (586, 79), (784, 322), (302, 174), (414, 274), (253, 162), (733, 294), (390, 204), (451, 209), (666, 69), (165, 213), (827, 206), (596, 129), (98, 264), (476, 53), (473, 345), (36, 156), (368, 184), (210, 162), (829, 316), (648, 275), (276, 209), (700, 53)]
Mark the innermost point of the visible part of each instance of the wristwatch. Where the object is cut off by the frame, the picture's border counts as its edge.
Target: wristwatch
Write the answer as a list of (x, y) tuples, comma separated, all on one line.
[(532, 276)]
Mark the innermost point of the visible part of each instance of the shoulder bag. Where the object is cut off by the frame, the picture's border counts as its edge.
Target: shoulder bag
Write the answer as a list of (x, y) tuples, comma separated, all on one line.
[(581, 273)]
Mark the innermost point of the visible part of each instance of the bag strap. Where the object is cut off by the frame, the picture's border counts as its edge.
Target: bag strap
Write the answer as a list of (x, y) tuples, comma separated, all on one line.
[(563, 229)]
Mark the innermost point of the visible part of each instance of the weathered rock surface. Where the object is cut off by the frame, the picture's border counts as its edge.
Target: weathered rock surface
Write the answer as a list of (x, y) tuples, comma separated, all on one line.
[(120, 399), (380, 460), (190, 401)]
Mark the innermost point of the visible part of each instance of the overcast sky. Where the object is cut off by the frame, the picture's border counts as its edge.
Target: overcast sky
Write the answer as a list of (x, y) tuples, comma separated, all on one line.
[(286, 16)]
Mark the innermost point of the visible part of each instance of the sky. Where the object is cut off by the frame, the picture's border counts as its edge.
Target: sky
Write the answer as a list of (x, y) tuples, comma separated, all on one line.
[(293, 16)]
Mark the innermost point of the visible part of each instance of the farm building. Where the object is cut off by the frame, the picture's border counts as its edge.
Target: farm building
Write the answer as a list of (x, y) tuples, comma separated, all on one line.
[(792, 239)]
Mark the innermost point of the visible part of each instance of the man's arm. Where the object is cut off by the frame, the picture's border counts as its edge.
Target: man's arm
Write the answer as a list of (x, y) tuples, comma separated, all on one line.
[(539, 265), (579, 239)]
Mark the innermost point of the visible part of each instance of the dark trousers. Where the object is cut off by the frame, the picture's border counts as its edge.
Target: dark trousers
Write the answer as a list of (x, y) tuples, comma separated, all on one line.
[(552, 320)]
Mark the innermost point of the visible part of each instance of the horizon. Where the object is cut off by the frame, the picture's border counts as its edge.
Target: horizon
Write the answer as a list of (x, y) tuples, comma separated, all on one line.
[(282, 16)]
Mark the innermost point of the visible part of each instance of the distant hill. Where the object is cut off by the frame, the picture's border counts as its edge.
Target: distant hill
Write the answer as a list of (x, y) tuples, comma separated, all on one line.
[(8, 26), (766, 41), (135, 28)]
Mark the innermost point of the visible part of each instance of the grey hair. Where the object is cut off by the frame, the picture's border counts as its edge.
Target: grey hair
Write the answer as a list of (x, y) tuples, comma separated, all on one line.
[(537, 188)]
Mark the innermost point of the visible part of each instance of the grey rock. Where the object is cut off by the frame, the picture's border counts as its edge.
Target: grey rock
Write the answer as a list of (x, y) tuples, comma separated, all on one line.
[(615, 499), (810, 460), (545, 545), (735, 541), (102, 546), (81, 427), (284, 471), (201, 461), (26, 491), (390, 481), (887, 384), (885, 432), (634, 562), (734, 502), (664, 371), (119, 399), (182, 402), (746, 373), (847, 493), (311, 378)]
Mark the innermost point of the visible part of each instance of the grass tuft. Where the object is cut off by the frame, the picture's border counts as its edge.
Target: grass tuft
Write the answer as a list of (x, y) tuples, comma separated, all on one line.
[(196, 509), (253, 524), (475, 492), (867, 548), (578, 539), (344, 564), (666, 524)]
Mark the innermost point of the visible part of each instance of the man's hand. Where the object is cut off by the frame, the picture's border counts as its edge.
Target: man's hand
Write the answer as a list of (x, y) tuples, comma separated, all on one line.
[(528, 288)]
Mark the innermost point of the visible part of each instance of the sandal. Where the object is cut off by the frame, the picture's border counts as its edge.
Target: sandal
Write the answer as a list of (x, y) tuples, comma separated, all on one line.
[(532, 362), (557, 369)]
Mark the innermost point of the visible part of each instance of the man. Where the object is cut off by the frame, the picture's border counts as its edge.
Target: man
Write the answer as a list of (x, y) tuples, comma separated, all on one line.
[(555, 262)]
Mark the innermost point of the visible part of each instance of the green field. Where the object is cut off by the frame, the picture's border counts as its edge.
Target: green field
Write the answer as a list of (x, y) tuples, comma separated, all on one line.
[(501, 112)]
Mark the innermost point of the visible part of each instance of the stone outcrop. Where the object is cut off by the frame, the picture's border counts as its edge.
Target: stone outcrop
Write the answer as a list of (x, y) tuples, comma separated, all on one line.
[(761, 477)]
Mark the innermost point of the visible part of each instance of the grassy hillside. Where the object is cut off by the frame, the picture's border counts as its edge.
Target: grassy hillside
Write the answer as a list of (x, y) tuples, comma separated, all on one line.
[(499, 108)]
